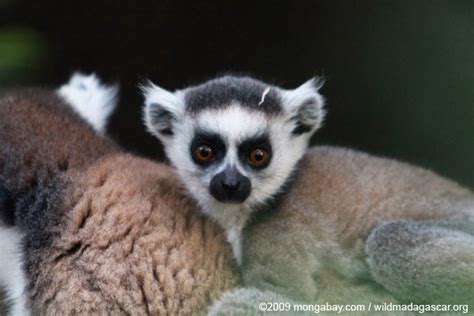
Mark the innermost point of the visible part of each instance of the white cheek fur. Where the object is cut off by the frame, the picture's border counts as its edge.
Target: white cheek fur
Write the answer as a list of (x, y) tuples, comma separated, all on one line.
[(287, 151)]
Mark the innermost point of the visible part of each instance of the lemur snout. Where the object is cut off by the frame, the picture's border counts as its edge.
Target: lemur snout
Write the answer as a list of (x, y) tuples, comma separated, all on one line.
[(230, 186)]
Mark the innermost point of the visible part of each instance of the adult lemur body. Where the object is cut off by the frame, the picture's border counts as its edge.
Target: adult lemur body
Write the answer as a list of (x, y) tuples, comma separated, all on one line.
[(88, 229)]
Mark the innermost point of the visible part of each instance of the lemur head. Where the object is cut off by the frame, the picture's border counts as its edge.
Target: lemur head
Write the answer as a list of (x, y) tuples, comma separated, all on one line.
[(234, 141)]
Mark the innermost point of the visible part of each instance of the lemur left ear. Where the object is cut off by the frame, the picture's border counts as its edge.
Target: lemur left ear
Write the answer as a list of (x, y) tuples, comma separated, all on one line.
[(306, 106), (161, 111)]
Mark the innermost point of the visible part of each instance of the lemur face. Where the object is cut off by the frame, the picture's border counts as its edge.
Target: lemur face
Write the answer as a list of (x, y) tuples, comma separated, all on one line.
[(234, 141), (235, 156)]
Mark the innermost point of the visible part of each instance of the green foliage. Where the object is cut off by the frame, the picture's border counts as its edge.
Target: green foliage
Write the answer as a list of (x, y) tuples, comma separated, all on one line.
[(22, 56)]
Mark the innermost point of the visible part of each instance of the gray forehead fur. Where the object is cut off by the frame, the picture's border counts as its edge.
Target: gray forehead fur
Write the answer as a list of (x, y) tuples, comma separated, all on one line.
[(222, 92)]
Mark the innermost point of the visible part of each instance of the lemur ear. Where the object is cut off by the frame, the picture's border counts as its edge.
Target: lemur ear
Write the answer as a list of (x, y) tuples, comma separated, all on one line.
[(306, 106), (162, 109)]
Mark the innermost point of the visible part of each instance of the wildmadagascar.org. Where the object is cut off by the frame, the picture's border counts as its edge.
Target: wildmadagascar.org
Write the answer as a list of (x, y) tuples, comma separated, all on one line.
[(377, 308)]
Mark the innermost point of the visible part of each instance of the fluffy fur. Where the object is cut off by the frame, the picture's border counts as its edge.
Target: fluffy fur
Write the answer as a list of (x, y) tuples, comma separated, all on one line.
[(114, 230), (91, 99), (120, 237), (236, 109), (354, 228), (131, 244), (33, 153)]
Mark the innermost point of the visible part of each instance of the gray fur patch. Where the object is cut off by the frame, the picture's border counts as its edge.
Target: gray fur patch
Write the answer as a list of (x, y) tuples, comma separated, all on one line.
[(162, 119), (424, 261), (223, 91)]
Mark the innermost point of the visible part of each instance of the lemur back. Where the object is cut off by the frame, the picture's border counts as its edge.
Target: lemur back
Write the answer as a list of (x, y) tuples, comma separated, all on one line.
[(66, 142)]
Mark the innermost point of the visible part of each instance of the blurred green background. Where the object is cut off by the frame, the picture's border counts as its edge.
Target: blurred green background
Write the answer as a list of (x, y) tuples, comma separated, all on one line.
[(400, 74)]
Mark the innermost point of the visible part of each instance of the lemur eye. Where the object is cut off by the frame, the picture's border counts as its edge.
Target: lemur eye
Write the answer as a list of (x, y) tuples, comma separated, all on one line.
[(203, 153), (259, 157)]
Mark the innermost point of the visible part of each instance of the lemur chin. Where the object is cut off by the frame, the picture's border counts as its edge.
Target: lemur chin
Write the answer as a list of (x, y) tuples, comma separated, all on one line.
[(234, 141)]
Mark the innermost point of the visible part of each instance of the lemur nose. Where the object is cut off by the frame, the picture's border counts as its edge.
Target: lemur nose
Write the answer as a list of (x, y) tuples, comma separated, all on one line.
[(230, 182), (230, 186)]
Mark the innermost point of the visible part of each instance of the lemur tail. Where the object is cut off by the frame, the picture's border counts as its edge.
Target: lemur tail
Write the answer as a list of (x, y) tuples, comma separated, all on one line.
[(91, 99)]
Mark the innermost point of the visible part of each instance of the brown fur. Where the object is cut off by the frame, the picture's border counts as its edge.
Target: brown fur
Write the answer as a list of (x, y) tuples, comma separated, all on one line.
[(323, 222), (105, 232), (132, 244), (40, 134)]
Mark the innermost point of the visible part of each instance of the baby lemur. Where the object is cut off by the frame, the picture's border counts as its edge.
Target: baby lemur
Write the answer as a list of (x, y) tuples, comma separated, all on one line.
[(347, 215), (234, 141)]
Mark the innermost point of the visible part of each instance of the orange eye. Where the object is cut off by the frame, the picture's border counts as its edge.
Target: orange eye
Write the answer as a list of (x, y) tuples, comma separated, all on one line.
[(203, 153), (259, 157)]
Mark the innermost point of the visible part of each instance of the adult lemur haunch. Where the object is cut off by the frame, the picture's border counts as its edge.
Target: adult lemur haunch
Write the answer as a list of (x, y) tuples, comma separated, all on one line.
[(234, 141)]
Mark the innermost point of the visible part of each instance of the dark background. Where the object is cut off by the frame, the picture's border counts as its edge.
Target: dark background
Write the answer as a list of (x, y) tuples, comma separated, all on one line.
[(400, 74)]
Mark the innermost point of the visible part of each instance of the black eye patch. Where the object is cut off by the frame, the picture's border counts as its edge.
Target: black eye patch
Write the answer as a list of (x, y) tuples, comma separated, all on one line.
[(211, 140), (246, 148)]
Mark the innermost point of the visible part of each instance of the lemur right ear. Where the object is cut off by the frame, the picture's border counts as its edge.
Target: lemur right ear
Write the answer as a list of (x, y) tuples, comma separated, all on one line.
[(306, 106), (162, 109)]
